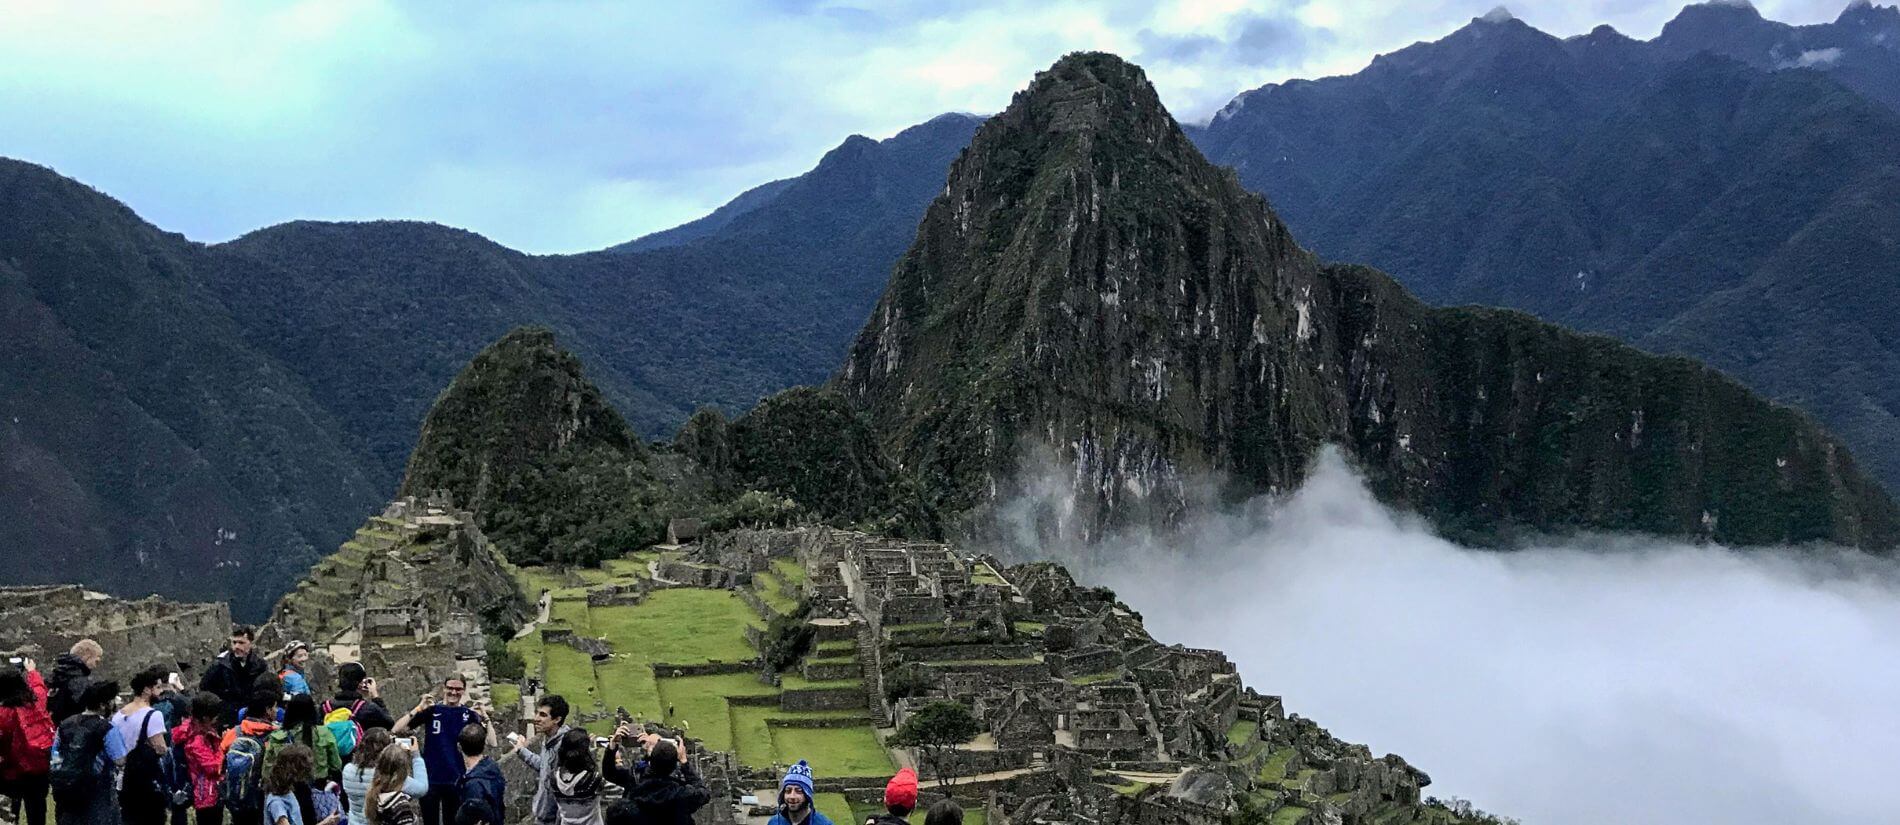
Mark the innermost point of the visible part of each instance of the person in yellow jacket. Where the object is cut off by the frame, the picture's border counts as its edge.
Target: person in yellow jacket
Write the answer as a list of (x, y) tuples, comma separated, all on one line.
[(303, 727)]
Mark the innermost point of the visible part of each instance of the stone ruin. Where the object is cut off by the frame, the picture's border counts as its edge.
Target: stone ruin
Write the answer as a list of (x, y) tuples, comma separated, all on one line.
[(1085, 717), (410, 596), (44, 621)]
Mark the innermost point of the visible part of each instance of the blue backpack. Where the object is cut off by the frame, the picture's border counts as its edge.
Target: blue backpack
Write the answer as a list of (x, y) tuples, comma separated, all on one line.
[(242, 787), (175, 775)]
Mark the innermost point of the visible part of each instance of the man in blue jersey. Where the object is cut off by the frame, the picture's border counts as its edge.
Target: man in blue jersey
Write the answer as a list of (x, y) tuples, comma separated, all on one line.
[(441, 725)]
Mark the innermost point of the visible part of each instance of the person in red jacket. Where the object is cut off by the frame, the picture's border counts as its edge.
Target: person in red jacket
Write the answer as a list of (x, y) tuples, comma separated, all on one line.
[(204, 759), (26, 739)]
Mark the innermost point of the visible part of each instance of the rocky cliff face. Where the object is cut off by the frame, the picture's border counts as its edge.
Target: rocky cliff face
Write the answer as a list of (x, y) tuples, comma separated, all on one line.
[(1089, 284)]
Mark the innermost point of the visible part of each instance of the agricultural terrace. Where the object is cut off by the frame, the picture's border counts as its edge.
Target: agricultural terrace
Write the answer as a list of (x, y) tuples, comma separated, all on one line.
[(678, 626)]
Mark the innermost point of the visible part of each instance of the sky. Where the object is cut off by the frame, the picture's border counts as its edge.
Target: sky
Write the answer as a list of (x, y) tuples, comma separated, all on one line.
[(1602, 679), (568, 126)]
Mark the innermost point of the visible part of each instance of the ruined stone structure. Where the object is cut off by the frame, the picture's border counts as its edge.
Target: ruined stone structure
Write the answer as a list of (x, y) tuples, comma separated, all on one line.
[(409, 596), (1085, 717), (45, 621)]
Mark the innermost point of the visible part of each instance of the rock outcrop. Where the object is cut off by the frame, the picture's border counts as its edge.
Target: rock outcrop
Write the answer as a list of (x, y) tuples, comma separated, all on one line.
[(1088, 284)]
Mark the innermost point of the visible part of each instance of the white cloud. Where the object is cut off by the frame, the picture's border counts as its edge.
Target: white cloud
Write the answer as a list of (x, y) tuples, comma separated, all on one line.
[(1627, 680), (217, 118)]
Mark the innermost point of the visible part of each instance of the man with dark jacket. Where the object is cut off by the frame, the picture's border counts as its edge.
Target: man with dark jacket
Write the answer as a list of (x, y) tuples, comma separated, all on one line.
[(232, 676), (72, 674), (482, 789), (662, 790), (358, 692)]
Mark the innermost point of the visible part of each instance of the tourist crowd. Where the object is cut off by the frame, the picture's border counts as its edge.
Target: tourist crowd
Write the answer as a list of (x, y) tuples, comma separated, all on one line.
[(252, 746)]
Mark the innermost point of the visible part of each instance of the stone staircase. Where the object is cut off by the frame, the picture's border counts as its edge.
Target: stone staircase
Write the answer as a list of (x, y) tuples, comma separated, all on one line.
[(873, 676)]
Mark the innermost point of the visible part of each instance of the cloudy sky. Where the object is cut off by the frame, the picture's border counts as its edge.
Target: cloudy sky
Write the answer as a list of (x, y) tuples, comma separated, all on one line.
[(564, 126)]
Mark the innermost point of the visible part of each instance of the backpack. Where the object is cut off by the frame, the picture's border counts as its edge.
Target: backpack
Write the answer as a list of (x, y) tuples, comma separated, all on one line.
[(145, 770), (343, 726), (241, 789), (78, 758), (175, 774)]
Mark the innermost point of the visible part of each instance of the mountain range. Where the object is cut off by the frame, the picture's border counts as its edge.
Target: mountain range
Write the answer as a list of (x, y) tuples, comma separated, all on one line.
[(1688, 194), (1725, 191), (1089, 288)]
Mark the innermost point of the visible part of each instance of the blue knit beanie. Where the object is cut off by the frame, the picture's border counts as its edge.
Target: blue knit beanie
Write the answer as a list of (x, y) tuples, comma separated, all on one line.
[(800, 775)]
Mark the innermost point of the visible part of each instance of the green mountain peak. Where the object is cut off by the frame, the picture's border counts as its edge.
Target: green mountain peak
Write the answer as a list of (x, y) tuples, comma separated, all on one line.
[(1088, 284)]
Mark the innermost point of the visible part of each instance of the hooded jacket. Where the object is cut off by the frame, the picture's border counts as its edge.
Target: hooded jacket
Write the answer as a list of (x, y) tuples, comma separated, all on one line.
[(69, 681), (204, 763), (257, 728), (657, 800), (577, 797), (484, 786), (543, 808), (26, 735)]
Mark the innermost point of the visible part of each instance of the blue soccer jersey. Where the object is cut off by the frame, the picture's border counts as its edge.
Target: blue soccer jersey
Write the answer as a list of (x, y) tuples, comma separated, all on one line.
[(440, 725)]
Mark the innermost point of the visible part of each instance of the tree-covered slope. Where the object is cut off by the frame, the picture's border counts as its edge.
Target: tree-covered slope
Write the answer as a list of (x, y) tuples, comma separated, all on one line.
[(812, 447), (1634, 188), (1089, 284), (148, 446), (523, 440)]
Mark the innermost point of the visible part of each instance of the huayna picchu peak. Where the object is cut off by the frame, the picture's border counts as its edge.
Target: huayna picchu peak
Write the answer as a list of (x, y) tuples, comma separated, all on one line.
[(1088, 283), (523, 440)]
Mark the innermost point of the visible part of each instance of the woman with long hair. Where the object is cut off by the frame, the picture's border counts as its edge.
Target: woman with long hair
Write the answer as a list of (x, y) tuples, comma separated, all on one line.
[(390, 802), (286, 781), (302, 726), (362, 770), (204, 762), (26, 740), (577, 781)]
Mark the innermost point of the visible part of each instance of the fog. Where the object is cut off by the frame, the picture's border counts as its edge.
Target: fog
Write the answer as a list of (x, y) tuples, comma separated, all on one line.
[(1607, 679)]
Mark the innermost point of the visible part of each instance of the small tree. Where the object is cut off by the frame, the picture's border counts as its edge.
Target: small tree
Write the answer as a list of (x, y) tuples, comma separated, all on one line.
[(936, 731)]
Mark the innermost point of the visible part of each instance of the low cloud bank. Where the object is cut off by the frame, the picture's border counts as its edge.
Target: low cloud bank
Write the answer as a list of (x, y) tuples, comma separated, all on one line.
[(1607, 679)]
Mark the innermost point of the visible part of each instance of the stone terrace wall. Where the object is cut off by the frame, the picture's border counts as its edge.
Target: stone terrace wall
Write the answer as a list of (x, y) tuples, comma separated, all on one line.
[(135, 634)]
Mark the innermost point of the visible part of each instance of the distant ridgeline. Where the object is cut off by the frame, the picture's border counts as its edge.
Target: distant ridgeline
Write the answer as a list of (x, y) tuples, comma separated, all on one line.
[(1088, 283), (206, 420)]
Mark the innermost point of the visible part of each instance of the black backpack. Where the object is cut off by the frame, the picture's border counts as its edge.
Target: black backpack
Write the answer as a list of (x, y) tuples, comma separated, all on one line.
[(77, 759), (145, 769)]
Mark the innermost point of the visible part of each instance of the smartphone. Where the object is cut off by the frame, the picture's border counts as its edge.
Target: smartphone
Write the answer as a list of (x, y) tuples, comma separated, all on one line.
[(408, 742), (18, 660), (601, 741), (514, 737)]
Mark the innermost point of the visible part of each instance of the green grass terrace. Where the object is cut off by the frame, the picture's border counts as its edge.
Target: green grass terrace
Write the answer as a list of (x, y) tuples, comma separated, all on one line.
[(692, 626)]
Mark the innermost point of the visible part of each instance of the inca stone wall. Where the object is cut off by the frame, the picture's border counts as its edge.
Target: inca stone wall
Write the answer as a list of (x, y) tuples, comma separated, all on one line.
[(45, 621)]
